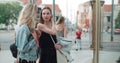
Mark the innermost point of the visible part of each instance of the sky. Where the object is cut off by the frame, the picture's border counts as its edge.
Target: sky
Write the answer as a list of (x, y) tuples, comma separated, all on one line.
[(69, 10)]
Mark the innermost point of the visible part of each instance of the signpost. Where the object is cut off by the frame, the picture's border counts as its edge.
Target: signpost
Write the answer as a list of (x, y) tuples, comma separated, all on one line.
[(112, 14), (96, 28)]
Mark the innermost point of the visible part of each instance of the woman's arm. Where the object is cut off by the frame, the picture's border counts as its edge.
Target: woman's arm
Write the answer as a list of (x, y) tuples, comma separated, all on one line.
[(44, 28), (36, 35)]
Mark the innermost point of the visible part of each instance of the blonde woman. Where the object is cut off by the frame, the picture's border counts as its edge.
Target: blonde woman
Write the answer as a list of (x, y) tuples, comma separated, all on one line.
[(61, 34), (25, 43), (60, 27)]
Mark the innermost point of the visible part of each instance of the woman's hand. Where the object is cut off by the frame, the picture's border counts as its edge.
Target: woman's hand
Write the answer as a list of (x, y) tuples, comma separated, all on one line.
[(57, 46), (36, 35), (44, 28), (38, 32)]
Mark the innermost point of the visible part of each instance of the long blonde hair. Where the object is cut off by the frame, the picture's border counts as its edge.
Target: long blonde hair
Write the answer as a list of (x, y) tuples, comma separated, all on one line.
[(28, 15)]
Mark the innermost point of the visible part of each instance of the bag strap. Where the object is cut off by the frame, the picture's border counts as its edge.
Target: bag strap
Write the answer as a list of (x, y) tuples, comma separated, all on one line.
[(52, 39), (54, 43)]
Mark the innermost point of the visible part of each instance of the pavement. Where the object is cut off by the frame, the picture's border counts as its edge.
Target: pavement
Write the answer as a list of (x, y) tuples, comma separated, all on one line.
[(80, 56), (85, 55), (6, 56)]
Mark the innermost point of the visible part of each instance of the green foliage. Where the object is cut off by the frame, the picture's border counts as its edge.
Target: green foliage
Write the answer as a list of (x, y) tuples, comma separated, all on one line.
[(117, 21), (9, 11)]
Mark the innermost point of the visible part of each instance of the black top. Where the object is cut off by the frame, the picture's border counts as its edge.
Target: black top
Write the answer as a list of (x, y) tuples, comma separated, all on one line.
[(46, 41), (48, 51)]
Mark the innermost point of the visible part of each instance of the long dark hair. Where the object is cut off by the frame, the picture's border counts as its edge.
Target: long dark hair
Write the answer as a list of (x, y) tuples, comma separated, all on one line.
[(41, 19)]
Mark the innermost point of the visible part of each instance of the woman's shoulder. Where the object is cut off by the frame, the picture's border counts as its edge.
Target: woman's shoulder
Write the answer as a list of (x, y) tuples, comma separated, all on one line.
[(24, 27), (40, 25)]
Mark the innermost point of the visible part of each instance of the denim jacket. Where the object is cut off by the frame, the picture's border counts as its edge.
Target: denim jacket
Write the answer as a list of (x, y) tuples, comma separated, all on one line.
[(25, 43)]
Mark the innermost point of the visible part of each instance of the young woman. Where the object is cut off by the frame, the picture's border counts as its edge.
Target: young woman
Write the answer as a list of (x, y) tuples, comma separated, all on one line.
[(62, 33), (26, 45), (47, 28)]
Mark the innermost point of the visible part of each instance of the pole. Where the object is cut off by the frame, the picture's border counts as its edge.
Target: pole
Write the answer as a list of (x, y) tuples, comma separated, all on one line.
[(102, 19), (93, 4), (98, 30), (93, 23), (112, 14), (54, 10)]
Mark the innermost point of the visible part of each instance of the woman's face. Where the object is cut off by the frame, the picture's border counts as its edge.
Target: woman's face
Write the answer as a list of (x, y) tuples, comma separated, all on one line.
[(46, 15)]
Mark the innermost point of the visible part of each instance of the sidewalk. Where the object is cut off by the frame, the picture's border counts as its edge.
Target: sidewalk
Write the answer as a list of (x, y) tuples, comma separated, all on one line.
[(6, 56), (86, 56), (80, 56)]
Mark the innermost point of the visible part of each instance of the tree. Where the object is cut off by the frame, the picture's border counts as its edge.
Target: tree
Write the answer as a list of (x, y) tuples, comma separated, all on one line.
[(117, 21), (9, 11)]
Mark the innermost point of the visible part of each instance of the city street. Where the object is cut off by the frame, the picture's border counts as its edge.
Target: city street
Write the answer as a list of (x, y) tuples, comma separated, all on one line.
[(106, 36), (80, 56), (106, 43), (85, 55), (96, 19), (6, 38)]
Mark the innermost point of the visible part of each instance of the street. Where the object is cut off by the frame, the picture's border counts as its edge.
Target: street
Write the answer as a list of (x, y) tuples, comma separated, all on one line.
[(109, 53), (6, 38), (98, 20), (80, 56), (106, 43)]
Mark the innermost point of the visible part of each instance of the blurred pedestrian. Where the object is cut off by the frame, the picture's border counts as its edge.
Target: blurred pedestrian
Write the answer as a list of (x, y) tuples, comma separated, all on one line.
[(62, 33), (108, 28), (78, 37)]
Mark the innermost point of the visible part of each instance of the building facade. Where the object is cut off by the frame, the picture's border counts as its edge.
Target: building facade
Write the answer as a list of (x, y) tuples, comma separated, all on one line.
[(84, 15), (40, 6)]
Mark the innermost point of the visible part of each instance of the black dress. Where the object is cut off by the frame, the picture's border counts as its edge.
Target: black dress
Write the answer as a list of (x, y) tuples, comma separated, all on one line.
[(48, 51)]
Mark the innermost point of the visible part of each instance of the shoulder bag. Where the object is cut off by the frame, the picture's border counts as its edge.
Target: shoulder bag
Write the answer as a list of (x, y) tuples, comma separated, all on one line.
[(60, 56), (13, 49)]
